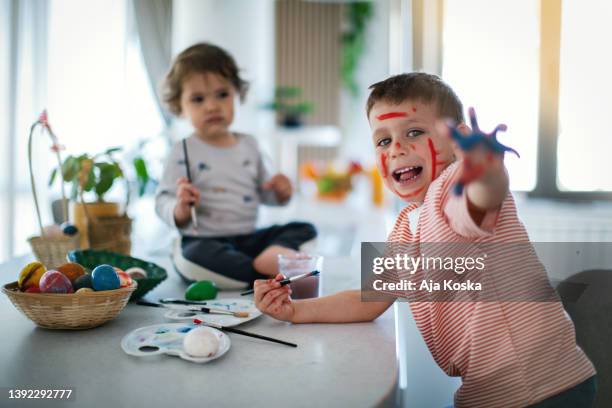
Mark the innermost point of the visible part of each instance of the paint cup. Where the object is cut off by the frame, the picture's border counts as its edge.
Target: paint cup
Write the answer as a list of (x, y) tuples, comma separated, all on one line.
[(298, 264)]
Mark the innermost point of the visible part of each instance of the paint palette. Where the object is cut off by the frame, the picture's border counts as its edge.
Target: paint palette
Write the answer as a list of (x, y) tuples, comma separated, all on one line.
[(232, 305), (168, 339)]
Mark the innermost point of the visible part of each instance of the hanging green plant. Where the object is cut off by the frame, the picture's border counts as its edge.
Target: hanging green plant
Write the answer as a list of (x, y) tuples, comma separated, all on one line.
[(357, 16)]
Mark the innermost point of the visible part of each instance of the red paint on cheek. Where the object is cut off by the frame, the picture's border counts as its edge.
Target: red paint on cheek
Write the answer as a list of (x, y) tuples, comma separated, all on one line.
[(391, 115), (432, 150), (383, 164)]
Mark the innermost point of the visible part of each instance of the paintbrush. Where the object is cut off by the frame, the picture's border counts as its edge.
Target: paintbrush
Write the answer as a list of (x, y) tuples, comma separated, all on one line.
[(182, 302), (242, 332), (194, 218), (197, 309), (287, 281)]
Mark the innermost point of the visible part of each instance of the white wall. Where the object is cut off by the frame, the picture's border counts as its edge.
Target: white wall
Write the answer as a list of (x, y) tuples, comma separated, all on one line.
[(374, 66), (246, 30)]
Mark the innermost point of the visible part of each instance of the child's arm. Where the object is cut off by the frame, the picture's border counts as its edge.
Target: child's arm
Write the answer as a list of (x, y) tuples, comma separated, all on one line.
[(489, 190), (483, 174), (342, 307)]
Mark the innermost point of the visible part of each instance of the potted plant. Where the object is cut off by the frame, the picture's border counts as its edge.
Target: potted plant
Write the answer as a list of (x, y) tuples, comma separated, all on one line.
[(106, 226), (289, 106)]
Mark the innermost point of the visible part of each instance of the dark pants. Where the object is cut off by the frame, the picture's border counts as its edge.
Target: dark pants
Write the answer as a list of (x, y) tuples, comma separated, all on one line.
[(233, 256), (579, 396)]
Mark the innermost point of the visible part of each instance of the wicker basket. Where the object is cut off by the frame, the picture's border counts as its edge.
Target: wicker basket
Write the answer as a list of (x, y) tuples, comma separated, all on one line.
[(91, 258), (50, 250), (69, 311), (111, 233)]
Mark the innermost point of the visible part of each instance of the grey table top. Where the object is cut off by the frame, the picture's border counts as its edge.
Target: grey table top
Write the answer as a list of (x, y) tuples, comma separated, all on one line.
[(352, 365)]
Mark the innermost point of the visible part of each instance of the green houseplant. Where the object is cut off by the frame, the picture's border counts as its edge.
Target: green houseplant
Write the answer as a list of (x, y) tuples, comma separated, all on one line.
[(103, 221), (289, 105)]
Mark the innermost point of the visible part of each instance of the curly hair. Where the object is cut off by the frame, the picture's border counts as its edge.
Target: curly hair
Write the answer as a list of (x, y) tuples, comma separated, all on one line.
[(199, 58)]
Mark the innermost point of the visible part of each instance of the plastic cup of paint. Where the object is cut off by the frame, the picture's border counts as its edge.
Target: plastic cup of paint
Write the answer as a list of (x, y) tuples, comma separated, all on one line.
[(298, 264)]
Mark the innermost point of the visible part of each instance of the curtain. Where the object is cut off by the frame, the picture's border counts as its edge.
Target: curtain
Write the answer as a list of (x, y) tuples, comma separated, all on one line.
[(153, 20)]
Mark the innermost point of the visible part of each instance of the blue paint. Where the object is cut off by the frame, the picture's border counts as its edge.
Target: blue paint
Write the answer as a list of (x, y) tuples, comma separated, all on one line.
[(162, 331), (203, 166), (478, 137), (185, 329)]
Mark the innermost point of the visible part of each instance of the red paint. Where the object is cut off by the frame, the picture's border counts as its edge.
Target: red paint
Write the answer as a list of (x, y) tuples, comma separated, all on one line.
[(490, 157), (383, 164), (391, 115), (398, 145), (433, 159), (412, 147), (197, 321), (413, 109), (471, 171)]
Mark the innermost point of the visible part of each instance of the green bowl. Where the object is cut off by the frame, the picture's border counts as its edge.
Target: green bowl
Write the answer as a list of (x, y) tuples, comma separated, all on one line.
[(90, 258)]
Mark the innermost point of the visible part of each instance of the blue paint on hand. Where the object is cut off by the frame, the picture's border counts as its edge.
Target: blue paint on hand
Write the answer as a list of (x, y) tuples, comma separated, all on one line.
[(477, 136)]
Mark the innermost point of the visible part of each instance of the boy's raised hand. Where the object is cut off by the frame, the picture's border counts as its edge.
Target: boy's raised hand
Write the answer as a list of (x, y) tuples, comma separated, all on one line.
[(280, 184), (186, 194), (482, 154), (273, 299)]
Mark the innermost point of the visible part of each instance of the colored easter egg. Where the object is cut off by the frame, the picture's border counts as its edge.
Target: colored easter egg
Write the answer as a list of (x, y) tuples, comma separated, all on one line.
[(83, 282), (202, 290), (72, 271), (136, 273), (104, 277), (55, 282), (30, 275), (124, 278), (69, 229), (33, 289), (84, 291), (201, 342)]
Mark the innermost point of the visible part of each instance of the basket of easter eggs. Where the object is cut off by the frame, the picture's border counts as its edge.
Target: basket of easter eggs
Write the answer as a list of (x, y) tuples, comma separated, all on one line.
[(147, 274), (68, 297), (55, 241)]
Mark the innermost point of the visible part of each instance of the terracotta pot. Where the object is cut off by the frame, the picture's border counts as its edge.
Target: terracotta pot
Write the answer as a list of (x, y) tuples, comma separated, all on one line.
[(97, 209)]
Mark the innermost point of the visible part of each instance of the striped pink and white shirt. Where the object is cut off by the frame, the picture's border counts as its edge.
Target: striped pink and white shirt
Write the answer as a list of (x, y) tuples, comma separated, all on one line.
[(508, 353)]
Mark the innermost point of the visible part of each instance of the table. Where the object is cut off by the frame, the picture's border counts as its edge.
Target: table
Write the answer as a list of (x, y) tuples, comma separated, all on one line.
[(348, 365)]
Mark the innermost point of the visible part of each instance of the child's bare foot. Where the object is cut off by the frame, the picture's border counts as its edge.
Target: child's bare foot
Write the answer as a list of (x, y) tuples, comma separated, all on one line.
[(266, 263)]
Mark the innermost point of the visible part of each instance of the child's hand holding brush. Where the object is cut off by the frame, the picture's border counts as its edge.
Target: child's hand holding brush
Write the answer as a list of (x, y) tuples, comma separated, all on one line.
[(187, 196)]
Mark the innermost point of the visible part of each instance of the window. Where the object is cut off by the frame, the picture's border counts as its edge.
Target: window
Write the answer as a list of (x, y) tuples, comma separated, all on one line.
[(494, 67), (585, 140), (82, 62)]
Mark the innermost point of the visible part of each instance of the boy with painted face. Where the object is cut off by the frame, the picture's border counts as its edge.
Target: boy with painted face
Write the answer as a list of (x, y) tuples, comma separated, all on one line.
[(508, 353)]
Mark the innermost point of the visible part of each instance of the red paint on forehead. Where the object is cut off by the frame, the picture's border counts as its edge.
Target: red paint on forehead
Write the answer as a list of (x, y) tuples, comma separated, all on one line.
[(391, 115)]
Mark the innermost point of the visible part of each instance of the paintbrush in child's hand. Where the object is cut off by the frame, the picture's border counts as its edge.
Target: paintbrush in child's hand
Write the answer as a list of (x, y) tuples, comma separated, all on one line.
[(286, 281), (194, 218), (244, 333), (195, 309)]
